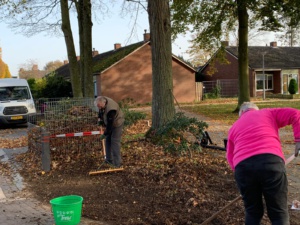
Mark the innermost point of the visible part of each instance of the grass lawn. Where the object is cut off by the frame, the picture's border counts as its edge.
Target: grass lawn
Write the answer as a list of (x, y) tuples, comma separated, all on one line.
[(223, 109)]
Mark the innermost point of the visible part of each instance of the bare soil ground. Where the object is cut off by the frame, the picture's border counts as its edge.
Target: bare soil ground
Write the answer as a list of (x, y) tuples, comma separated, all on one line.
[(155, 187)]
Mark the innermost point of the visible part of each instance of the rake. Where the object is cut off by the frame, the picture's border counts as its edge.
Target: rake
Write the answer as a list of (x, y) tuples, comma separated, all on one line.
[(105, 170)]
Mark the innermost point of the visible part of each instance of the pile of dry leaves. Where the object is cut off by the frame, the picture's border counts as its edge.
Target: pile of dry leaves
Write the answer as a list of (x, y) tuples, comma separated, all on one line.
[(155, 187)]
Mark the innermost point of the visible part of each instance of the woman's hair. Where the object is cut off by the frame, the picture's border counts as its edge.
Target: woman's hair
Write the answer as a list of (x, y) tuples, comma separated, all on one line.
[(246, 106)]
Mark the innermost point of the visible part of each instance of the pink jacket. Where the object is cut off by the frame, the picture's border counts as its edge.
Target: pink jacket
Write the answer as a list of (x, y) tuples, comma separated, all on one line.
[(257, 132)]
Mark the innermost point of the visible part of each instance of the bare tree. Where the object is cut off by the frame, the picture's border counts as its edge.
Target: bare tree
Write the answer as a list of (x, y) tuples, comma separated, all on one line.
[(289, 36), (53, 65), (198, 56), (290, 32), (52, 17)]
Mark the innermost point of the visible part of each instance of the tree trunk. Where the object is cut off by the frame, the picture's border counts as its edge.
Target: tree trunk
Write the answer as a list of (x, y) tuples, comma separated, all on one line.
[(88, 84), (79, 8), (73, 65), (85, 42), (163, 109), (244, 92)]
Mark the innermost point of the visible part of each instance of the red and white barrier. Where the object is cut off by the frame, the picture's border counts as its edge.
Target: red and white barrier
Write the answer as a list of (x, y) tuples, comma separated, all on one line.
[(87, 133)]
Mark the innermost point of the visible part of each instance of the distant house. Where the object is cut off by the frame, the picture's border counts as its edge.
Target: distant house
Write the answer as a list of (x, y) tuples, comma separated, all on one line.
[(126, 73), (34, 72), (279, 64)]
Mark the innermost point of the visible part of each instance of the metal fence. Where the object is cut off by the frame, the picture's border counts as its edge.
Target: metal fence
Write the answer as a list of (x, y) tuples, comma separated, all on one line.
[(64, 116), (59, 116), (228, 87)]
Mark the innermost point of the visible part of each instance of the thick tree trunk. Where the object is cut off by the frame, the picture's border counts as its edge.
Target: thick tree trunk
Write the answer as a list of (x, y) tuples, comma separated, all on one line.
[(244, 92), (85, 40), (73, 65), (163, 109), (88, 85), (79, 7)]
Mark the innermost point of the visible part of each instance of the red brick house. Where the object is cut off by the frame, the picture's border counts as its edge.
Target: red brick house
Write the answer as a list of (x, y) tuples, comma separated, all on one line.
[(279, 64), (126, 73)]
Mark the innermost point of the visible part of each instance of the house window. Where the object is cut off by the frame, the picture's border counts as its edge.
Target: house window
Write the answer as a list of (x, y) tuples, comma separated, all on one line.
[(260, 82)]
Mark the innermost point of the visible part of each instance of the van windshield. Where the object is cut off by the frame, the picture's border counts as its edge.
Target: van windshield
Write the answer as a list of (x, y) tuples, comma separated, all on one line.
[(14, 93)]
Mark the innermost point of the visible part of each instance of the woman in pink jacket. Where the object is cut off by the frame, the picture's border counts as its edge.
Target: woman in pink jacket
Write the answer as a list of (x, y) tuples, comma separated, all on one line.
[(254, 153)]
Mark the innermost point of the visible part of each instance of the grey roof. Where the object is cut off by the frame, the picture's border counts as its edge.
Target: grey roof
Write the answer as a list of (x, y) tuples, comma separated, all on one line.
[(105, 60), (275, 57)]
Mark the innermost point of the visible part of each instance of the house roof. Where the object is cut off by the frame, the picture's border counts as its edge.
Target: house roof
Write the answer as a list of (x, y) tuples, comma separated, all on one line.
[(107, 59), (274, 57), (103, 61)]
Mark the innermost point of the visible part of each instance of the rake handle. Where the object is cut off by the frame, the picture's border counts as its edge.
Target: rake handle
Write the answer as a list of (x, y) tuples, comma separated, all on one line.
[(103, 143), (221, 210)]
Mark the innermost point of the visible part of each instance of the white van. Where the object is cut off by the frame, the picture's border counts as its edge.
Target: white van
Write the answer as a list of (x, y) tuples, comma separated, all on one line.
[(16, 102)]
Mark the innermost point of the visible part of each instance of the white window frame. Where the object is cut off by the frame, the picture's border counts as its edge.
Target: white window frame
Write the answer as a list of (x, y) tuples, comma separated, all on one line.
[(267, 75)]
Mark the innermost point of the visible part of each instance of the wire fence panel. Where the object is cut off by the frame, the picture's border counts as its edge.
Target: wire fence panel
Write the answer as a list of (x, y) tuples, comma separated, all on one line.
[(228, 87), (208, 86), (70, 115), (65, 116)]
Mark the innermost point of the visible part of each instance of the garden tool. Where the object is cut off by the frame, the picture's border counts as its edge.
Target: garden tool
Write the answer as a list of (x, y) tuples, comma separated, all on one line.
[(206, 142), (103, 143), (104, 154), (289, 159)]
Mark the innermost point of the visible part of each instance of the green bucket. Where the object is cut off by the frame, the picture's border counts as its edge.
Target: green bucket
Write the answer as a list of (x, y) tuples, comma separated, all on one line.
[(67, 209)]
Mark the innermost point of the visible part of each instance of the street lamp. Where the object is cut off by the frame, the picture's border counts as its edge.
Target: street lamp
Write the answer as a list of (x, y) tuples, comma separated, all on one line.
[(264, 78)]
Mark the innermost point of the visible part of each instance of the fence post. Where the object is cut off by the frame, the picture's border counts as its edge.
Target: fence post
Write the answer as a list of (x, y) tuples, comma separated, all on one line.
[(45, 150), (199, 91)]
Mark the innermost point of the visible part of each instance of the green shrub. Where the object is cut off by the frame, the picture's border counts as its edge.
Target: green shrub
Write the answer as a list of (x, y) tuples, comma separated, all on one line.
[(56, 87), (127, 103), (171, 135), (215, 93), (131, 116), (293, 87)]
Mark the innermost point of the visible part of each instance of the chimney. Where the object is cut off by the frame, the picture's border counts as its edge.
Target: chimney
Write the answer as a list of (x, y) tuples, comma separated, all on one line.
[(146, 36), (117, 46), (94, 52), (34, 67), (225, 43), (66, 62), (273, 44)]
